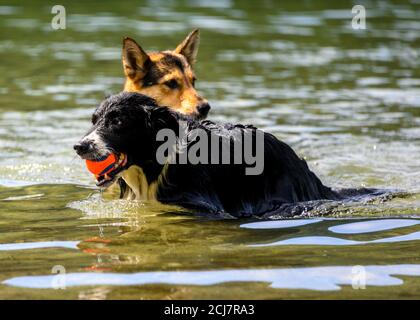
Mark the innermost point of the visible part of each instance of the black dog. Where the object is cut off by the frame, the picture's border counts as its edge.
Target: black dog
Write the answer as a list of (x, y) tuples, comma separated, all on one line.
[(128, 123)]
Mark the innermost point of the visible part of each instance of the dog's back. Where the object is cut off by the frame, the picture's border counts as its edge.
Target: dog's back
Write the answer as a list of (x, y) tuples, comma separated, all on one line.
[(219, 187)]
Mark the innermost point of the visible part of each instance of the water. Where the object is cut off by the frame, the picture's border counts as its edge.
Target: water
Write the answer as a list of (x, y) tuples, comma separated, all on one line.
[(346, 100)]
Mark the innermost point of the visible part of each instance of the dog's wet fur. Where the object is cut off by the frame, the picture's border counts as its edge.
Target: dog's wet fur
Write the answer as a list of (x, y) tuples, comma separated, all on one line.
[(166, 76), (128, 123)]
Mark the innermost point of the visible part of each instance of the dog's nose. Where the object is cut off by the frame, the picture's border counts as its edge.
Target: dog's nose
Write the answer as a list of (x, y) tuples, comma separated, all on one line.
[(203, 109), (81, 147)]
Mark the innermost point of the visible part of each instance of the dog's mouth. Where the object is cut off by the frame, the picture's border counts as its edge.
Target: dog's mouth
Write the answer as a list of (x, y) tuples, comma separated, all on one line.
[(107, 179)]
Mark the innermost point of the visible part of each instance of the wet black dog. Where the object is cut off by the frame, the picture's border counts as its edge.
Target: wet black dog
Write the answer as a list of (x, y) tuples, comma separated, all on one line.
[(130, 124)]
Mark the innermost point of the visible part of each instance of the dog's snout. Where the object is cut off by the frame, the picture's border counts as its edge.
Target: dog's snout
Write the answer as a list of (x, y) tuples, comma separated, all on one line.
[(81, 147), (203, 109)]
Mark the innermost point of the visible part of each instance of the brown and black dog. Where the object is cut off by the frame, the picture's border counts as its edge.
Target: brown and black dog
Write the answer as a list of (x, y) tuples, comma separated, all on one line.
[(166, 76)]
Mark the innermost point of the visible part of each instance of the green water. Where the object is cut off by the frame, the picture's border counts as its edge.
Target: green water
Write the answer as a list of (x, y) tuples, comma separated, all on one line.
[(346, 100)]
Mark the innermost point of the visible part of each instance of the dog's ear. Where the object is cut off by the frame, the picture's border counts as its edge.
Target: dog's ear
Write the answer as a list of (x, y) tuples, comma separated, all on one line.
[(135, 60), (164, 118), (189, 47)]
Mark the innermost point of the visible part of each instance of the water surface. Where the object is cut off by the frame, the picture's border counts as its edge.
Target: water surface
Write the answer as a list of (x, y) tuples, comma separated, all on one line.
[(346, 100)]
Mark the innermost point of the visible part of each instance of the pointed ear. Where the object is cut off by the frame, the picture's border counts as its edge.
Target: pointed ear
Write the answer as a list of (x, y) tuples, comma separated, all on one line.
[(189, 47), (135, 60)]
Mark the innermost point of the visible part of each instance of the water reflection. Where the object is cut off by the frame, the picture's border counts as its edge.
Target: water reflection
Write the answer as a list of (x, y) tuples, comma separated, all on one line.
[(279, 224), (332, 241), (38, 245), (316, 278), (373, 226)]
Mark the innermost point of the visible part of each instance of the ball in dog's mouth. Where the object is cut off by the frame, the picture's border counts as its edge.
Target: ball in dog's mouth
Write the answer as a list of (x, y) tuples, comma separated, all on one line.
[(106, 168)]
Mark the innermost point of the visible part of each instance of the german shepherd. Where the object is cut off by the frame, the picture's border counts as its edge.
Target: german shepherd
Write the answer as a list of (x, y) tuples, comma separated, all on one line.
[(128, 123), (166, 76)]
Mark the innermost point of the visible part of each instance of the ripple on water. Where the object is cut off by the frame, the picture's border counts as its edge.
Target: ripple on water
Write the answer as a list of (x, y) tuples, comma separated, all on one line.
[(332, 241), (15, 183), (25, 197), (8, 10), (347, 228), (38, 245), (281, 224), (373, 226), (315, 278)]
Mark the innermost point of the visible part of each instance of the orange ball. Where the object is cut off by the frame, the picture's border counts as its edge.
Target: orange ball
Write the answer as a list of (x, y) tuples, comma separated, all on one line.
[(102, 166)]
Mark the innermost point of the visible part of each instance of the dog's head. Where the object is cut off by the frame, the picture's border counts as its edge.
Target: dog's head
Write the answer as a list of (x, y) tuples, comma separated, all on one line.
[(166, 76), (122, 124)]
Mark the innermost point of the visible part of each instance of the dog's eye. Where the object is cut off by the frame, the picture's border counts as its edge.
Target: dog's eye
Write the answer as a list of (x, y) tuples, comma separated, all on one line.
[(171, 84), (113, 118), (116, 122)]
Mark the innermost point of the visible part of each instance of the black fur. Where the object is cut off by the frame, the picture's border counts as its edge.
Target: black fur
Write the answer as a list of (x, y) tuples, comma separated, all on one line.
[(129, 122)]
